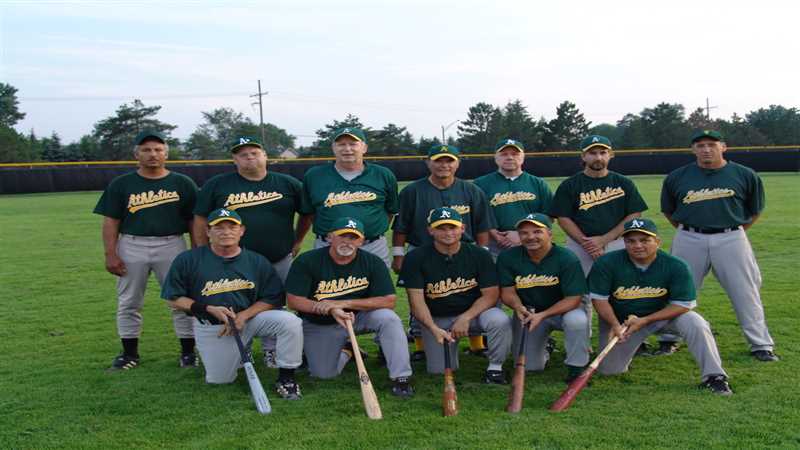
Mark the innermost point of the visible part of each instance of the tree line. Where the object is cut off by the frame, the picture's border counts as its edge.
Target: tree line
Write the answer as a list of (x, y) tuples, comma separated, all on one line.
[(664, 125)]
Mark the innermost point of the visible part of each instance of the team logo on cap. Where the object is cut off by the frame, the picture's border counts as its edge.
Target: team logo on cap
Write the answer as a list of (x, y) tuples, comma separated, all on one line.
[(443, 148), (224, 213), (595, 139), (244, 141), (510, 142), (445, 214), (637, 223), (351, 224), (346, 130)]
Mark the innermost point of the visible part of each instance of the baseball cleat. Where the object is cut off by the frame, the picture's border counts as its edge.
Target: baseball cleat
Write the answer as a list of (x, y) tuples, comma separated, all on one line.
[(123, 362), (401, 387), (765, 355), (188, 360), (481, 353), (270, 359), (643, 350), (418, 355), (550, 346), (494, 377), (717, 384), (666, 348), (288, 389)]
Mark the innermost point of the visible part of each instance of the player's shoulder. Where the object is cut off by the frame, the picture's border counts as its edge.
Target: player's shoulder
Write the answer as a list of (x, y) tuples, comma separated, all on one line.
[(486, 180), (618, 177), (613, 258), (474, 251), (741, 169), (670, 260), (564, 254), (370, 259), (417, 185), (310, 256), (125, 179), (510, 255), (317, 171), (253, 258), (683, 170), (220, 179), (285, 179), (379, 169)]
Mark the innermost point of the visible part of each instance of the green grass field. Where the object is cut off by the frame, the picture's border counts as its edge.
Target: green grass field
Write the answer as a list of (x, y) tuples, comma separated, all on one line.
[(58, 335)]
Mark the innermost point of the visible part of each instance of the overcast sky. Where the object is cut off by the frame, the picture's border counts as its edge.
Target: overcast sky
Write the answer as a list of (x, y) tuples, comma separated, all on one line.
[(419, 64)]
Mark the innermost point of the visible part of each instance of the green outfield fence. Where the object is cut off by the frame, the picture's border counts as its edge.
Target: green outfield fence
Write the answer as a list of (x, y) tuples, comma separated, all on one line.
[(17, 178)]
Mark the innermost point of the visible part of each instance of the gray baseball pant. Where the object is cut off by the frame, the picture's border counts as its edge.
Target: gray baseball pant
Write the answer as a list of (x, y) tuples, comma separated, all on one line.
[(221, 357), (142, 255), (324, 343), (493, 322), (282, 269), (690, 325), (572, 323)]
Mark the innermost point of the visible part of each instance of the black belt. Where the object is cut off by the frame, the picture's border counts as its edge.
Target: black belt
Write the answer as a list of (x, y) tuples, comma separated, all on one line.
[(366, 240), (707, 230)]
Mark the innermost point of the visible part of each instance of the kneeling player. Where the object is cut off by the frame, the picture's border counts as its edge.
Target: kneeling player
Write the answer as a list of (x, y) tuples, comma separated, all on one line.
[(223, 280), (655, 292), (452, 289), (341, 282), (547, 278)]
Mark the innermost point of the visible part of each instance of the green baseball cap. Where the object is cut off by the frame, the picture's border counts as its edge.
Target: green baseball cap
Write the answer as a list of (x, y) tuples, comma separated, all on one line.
[(344, 225), (149, 134), (244, 141), (642, 225), (444, 215), (355, 133), (595, 140), (538, 219), (509, 143), (220, 215), (440, 151), (711, 134)]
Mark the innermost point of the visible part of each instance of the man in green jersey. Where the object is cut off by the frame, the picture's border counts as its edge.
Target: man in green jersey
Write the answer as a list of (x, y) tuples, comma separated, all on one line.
[(712, 203), (452, 289), (146, 213), (223, 281), (341, 282), (351, 187), (543, 284), (512, 193), (649, 290), (267, 201)]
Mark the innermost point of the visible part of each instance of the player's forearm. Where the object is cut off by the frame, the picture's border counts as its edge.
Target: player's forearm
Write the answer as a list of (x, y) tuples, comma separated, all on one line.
[(254, 309), (190, 227), (670, 219), (303, 225), (563, 306), (398, 239), (482, 238), (571, 229), (181, 304), (510, 298), (366, 304), (419, 309), (606, 312), (199, 227), (668, 313), (752, 222), (487, 299), (617, 230), (110, 235), (300, 304)]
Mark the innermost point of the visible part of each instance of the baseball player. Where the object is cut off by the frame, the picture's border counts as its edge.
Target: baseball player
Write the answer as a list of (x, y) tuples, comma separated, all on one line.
[(351, 187), (592, 206), (512, 193), (341, 282), (650, 290), (543, 284), (223, 280), (452, 289), (712, 203), (440, 189), (267, 201), (146, 213)]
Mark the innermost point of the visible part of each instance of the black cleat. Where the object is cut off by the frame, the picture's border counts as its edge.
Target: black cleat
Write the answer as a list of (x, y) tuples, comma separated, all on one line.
[(643, 350), (550, 346), (666, 348), (418, 355), (188, 360), (288, 389), (124, 362), (765, 355), (401, 387), (494, 377), (717, 384)]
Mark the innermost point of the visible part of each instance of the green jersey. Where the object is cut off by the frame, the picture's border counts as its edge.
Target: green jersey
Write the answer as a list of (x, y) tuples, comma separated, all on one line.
[(541, 285), (511, 200), (267, 208), (596, 205), (316, 276), (451, 284), (149, 207), (419, 198), (641, 292), (371, 197), (237, 283), (712, 198)]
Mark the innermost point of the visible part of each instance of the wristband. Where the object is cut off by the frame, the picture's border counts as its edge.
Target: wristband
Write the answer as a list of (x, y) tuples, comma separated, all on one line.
[(398, 251), (198, 308)]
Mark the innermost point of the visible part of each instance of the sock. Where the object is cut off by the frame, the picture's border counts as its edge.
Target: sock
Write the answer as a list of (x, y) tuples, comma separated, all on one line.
[(418, 344), (493, 366), (187, 346), (130, 347), (344, 357), (476, 343), (285, 374)]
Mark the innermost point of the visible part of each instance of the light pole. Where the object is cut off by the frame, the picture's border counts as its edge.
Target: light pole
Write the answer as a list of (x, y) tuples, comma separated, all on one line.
[(445, 127)]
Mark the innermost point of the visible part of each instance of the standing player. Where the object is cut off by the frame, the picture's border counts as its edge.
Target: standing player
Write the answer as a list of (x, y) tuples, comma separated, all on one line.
[(512, 193), (267, 202), (146, 214), (543, 284), (340, 282), (452, 289), (223, 280), (351, 187), (712, 203), (650, 290), (592, 206)]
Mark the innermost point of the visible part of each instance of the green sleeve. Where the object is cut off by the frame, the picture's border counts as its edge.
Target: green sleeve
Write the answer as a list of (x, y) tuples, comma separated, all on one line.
[(111, 203), (633, 199), (505, 272), (270, 288), (205, 199), (190, 194), (392, 197), (380, 281), (573, 282), (562, 204), (411, 273), (600, 277), (547, 195), (307, 206), (681, 284), (667, 197), (177, 283), (299, 281), (404, 220), (297, 189), (757, 199), (487, 272), (483, 219)]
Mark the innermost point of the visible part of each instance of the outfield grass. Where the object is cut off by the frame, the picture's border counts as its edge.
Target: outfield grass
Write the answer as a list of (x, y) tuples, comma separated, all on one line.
[(58, 335)]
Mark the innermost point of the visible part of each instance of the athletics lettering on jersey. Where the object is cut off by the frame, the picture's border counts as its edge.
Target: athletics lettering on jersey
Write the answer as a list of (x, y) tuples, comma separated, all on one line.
[(226, 285), (341, 198), (149, 199), (599, 196), (532, 280), (707, 194), (341, 286), (246, 199), (635, 292), (511, 197), (449, 286)]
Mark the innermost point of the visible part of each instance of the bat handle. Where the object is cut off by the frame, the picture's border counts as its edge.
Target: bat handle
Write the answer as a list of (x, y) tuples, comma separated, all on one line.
[(446, 346), (237, 338)]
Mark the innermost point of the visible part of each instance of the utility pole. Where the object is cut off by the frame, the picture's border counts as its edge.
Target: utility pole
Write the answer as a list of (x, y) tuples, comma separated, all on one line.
[(261, 113), (708, 110), (445, 127)]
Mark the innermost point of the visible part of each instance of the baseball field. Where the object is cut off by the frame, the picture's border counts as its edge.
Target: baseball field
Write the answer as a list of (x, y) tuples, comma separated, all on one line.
[(58, 335)]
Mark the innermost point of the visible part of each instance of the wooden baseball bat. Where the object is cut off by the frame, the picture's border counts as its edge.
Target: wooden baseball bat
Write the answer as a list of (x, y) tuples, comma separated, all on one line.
[(371, 405), (577, 385), (517, 391), (256, 389), (449, 397)]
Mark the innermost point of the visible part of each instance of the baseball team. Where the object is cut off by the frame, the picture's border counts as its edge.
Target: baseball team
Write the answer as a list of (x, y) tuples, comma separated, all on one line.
[(463, 250)]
